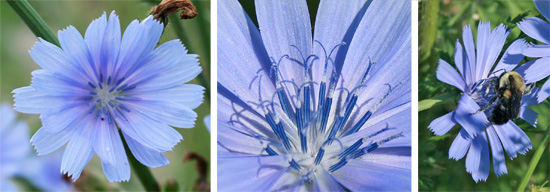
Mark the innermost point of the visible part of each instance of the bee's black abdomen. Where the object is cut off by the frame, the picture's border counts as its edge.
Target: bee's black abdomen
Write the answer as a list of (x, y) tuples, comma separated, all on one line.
[(499, 117)]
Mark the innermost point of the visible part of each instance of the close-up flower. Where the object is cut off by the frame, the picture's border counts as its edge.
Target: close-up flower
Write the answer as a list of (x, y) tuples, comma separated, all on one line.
[(483, 134), (539, 30), (17, 159), (92, 89), (323, 111)]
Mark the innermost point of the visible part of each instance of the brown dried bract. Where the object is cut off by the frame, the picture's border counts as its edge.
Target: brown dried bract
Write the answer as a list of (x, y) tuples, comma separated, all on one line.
[(202, 167), (169, 7)]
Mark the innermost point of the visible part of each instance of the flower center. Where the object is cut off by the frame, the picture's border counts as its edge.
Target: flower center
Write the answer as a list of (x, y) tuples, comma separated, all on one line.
[(107, 97), (305, 136)]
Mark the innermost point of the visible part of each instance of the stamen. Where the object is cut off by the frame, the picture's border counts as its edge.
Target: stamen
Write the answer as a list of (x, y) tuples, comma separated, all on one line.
[(91, 85), (122, 87), (120, 81), (109, 80), (92, 109), (123, 108), (93, 93), (270, 151), (294, 165)]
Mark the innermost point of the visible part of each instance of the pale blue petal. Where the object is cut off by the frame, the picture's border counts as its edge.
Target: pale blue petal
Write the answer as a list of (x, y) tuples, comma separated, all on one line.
[(365, 176), (468, 40), (483, 49), (94, 33), (188, 94), (544, 92), (523, 143), (79, 151), (531, 99), (45, 142), (512, 56), (207, 122), (28, 100), (50, 57), (536, 28), (460, 145), (145, 155), (529, 115), (544, 7), (473, 124), (285, 24), (241, 51), (512, 140), (489, 51), (325, 182), (173, 114), (105, 140), (477, 161), (132, 47), (119, 169), (337, 24), (255, 173), (57, 119), (538, 50), (237, 142), (156, 135), (535, 70), (75, 48), (447, 74), (7, 185), (390, 156), (443, 124), (460, 59), (499, 163), (110, 46), (56, 85)]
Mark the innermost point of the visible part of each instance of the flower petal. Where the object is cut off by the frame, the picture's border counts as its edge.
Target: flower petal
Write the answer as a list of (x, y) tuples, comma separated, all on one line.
[(468, 40), (513, 139), (173, 114), (79, 151), (443, 124), (529, 115), (325, 182), (236, 142), (105, 139), (544, 92), (536, 28), (189, 95), (512, 56), (499, 163), (489, 51), (118, 170), (358, 175), (460, 59), (460, 145), (57, 119), (45, 142), (448, 74), (28, 100), (256, 173), (241, 51), (473, 124), (538, 50), (145, 155), (477, 161), (535, 70), (75, 48), (110, 45), (154, 134), (544, 7), (286, 30)]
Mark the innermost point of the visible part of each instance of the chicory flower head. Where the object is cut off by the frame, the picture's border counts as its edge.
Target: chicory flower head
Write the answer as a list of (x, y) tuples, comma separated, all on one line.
[(328, 112), (474, 63), (18, 160), (92, 86), (540, 30)]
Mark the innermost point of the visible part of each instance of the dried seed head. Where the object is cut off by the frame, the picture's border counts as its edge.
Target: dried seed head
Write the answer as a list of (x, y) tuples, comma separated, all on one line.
[(169, 7)]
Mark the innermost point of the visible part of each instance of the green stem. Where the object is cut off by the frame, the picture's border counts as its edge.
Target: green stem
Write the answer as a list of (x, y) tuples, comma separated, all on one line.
[(144, 174), (178, 30), (31, 18), (533, 164)]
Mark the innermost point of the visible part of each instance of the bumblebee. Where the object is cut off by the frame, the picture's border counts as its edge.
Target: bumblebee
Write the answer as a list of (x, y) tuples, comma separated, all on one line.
[(509, 88)]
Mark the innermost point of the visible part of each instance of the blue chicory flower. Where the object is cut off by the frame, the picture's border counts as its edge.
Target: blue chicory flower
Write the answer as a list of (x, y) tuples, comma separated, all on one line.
[(540, 30), (18, 160), (477, 133), (207, 122), (92, 86), (329, 112)]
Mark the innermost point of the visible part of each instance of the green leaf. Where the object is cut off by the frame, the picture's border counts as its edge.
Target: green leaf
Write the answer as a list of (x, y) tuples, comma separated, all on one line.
[(31, 18), (533, 164), (428, 103)]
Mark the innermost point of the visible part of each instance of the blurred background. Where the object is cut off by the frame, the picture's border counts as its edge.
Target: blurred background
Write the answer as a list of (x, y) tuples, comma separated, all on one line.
[(16, 66), (440, 25)]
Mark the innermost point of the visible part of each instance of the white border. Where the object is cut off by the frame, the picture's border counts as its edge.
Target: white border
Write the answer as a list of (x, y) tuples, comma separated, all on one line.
[(213, 95), (414, 95)]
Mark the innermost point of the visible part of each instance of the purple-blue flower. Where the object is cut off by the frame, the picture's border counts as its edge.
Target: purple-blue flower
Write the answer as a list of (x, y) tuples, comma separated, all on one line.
[(474, 63), (96, 85), (540, 30), (18, 160), (322, 112)]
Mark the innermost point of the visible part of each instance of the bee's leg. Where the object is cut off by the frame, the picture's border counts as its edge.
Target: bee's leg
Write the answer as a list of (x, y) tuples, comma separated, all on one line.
[(528, 89), (486, 106)]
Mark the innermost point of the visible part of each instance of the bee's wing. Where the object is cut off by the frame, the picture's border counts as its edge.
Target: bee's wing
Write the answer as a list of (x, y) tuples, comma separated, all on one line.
[(515, 103)]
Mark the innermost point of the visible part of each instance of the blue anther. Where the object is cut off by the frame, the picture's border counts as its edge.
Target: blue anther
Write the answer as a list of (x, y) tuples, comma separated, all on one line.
[(120, 98), (93, 93), (111, 104), (338, 165), (120, 81), (350, 149), (98, 100), (100, 78), (122, 87), (284, 102), (104, 110), (294, 165), (325, 112), (92, 109), (299, 122), (112, 89), (100, 86), (360, 123), (124, 108), (130, 88), (306, 102), (91, 85), (270, 151), (88, 98), (319, 156), (109, 80)]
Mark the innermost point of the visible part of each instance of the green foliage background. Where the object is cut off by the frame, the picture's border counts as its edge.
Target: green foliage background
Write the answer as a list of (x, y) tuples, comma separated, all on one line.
[(16, 66), (440, 25)]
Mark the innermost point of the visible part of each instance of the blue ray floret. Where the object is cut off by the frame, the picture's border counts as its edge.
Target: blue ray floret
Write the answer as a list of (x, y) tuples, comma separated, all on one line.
[(474, 63), (94, 86), (298, 112)]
